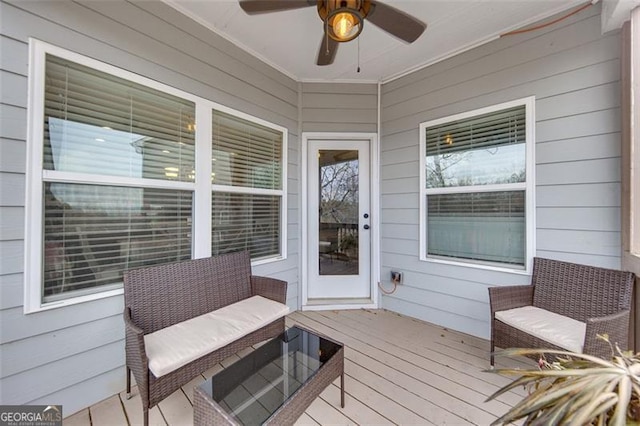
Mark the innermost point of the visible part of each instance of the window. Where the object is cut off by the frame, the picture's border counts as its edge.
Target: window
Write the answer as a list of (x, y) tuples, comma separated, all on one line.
[(116, 170), (247, 186), (477, 187), (631, 143), (630, 161), (630, 158)]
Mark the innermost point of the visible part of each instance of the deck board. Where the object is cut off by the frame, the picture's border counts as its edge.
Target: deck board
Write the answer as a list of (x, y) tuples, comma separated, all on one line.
[(397, 374), (108, 412), (418, 352), (177, 409), (133, 409), (353, 408), (398, 370), (305, 420), (414, 336), (80, 418)]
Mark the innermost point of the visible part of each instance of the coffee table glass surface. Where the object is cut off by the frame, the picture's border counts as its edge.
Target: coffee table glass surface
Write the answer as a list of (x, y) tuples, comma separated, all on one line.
[(256, 386)]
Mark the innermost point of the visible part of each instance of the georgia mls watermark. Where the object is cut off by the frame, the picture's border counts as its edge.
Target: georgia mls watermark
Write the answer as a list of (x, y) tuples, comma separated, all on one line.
[(30, 415)]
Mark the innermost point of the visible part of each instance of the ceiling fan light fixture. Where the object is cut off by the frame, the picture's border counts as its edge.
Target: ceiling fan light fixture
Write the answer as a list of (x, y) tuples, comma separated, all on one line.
[(343, 19), (344, 24)]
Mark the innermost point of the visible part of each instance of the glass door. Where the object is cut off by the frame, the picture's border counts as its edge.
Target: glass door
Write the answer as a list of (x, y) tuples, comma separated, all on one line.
[(339, 220)]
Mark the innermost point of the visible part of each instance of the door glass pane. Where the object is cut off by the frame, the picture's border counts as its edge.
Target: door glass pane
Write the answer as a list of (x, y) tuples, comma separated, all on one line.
[(338, 216)]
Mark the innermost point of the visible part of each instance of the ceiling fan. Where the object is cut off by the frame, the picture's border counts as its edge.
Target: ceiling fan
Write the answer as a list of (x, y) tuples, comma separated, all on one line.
[(343, 20)]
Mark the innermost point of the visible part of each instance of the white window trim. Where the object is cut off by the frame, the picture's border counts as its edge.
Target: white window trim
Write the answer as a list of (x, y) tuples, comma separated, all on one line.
[(634, 148), (528, 186), (202, 188)]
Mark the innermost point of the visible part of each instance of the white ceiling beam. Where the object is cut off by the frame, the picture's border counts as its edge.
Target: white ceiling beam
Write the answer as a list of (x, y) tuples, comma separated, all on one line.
[(615, 13)]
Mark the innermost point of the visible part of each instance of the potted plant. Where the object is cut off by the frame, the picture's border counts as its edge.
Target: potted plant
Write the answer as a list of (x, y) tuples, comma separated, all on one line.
[(575, 389)]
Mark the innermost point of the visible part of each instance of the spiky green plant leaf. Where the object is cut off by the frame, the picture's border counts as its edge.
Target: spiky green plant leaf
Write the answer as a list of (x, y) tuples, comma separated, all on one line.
[(576, 389)]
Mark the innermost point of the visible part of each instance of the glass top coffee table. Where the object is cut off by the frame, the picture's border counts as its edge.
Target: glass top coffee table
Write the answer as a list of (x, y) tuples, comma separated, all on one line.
[(273, 384)]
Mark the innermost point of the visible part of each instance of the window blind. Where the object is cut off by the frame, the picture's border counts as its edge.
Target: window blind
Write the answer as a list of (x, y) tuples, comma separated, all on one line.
[(246, 222), (485, 226), (96, 123), (484, 150), (487, 130), (92, 233), (245, 153)]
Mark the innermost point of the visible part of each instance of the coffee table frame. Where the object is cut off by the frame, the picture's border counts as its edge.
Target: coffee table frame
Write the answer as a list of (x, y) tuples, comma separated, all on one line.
[(208, 412)]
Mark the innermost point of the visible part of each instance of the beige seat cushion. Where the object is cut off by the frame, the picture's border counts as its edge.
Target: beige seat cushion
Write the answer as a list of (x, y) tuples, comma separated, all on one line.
[(557, 329), (175, 346)]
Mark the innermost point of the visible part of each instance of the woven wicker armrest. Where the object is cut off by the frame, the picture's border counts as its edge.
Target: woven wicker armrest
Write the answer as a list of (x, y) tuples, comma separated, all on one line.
[(270, 288), (136, 355), (510, 297), (616, 326)]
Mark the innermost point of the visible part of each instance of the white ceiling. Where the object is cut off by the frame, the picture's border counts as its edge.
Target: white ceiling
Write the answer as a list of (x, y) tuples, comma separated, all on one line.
[(290, 40)]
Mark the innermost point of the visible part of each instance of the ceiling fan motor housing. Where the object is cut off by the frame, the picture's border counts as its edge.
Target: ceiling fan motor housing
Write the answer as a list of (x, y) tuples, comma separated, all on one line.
[(343, 19)]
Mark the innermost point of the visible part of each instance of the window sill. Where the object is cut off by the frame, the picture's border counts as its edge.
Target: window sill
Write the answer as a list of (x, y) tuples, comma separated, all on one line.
[(482, 266), (267, 260), (73, 301)]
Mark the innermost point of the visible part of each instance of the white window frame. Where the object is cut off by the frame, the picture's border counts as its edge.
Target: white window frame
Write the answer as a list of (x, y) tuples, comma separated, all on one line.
[(634, 145), (201, 188), (528, 186)]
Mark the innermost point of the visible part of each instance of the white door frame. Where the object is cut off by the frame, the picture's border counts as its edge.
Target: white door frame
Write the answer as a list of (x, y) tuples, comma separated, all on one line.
[(375, 219)]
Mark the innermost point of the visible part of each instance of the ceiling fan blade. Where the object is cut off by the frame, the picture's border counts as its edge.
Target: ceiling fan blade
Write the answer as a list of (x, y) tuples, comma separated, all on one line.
[(325, 58), (254, 7), (395, 22)]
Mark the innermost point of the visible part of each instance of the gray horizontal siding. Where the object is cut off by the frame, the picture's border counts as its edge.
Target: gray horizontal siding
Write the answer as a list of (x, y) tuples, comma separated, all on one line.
[(573, 71), (77, 368), (11, 290), (585, 258), (13, 155), (579, 195), (605, 145), (339, 107), (13, 122), (579, 219), (65, 343), (17, 326), (12, 224), (11, 261), (13, 88), (75, 355), (92, 388)]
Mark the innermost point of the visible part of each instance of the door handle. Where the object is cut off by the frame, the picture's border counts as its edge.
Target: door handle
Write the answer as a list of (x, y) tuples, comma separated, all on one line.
[(366, 227)]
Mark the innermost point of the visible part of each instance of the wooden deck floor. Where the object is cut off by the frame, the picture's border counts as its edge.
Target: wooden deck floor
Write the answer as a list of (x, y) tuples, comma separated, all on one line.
[(398, 371)]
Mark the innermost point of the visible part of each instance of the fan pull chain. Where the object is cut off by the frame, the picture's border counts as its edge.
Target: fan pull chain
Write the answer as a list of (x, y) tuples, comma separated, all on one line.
[(358, 70), (326, 34)]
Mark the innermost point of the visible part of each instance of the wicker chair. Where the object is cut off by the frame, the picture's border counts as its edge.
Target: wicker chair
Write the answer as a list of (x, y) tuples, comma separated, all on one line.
[(599, 297), (159, 296)]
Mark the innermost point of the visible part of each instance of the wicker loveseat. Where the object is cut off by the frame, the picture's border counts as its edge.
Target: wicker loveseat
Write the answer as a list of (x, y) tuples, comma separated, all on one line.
[(198, 294), (563, 300)]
